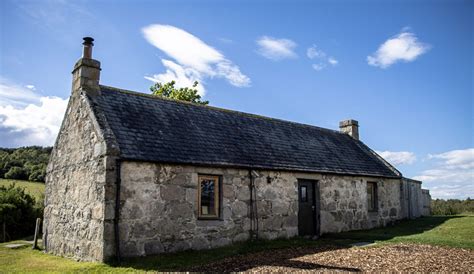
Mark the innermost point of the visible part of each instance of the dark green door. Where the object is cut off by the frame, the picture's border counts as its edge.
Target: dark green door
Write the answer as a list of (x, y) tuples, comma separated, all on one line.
[(308, 210)]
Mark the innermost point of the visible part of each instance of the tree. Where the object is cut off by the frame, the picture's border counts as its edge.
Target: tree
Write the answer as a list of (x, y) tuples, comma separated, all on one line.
[(18, 211), (17, 173), (168, 90)]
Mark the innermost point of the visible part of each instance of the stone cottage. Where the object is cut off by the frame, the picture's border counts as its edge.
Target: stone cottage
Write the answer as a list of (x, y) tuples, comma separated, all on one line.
[(133, 174)]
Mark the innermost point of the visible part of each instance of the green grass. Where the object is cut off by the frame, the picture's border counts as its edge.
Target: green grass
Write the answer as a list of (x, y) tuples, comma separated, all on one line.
[(25, 259), (454, 231), (33, 188)]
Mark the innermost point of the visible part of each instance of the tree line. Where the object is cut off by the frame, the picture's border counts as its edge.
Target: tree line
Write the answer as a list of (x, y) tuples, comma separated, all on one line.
[(452, 206), (24, 163)]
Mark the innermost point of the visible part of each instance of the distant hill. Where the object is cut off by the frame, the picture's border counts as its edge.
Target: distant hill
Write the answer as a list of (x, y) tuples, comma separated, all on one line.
[(24, 163)]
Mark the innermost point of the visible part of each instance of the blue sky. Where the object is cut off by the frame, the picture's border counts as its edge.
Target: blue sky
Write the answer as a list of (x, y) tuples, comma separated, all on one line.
[(403, 69)]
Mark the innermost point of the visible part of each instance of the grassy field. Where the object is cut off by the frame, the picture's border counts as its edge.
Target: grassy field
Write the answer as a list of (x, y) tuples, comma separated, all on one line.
[(33, 188), (452, 231), (455, 231)]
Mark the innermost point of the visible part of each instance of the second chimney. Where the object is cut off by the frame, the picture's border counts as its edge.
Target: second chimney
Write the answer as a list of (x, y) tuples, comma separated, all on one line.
[(350, 127)]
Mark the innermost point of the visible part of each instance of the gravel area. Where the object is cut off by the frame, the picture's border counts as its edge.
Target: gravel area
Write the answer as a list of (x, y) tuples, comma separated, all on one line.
[(397, 257)]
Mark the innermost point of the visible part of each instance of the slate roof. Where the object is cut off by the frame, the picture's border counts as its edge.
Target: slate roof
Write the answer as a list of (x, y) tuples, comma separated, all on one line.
[(150, 128)]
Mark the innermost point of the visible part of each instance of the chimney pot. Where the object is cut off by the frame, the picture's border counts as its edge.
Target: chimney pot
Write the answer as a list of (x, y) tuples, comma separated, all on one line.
[(350, 127), (86, 72), (88, 44)]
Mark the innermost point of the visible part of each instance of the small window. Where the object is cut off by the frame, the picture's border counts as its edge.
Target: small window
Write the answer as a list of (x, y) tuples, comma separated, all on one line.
[(208, 202), (303, 194), (372, 196)]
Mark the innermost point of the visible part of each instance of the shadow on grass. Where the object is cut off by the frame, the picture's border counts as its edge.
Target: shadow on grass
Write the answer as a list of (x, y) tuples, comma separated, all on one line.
[(402, 228), (284, 253), (241, 256)]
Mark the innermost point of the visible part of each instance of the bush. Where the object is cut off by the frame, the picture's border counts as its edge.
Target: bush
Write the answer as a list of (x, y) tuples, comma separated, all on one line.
[(18, 210), (37, 175), (32, 160), (452, 206), (17, 173)]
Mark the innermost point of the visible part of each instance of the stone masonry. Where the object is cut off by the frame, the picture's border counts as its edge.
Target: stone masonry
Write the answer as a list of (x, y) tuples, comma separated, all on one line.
[(159, 208), (75, 187)]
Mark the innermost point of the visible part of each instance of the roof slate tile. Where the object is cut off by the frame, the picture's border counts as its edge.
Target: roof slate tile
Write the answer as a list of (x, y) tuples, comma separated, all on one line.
[(150, 128)]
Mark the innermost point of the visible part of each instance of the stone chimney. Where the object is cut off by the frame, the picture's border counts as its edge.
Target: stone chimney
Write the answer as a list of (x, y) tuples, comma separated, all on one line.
[(350, 127), (86, 73)]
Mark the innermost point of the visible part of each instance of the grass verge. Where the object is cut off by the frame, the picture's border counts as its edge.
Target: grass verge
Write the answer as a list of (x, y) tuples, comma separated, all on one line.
[(452, 231), (455, 231)]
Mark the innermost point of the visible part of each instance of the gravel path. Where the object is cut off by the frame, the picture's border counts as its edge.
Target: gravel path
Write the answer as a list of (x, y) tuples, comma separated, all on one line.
[(399, 257)]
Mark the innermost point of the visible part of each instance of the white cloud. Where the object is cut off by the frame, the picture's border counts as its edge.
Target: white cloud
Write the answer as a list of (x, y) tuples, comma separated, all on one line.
[(333, 61), (194, 59), (318, 67), (14, 94), (452, 175), (402, 47), (398, 157), (276, 49), (184, 77), (32, 87), (314, 53), (26, 118), (456, 158), (226, 40)]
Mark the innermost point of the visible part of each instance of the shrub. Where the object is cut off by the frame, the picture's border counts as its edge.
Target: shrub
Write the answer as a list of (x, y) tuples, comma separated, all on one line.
[(37, 175), (18, 210), (17, 173), (452, 206), (29, 159)]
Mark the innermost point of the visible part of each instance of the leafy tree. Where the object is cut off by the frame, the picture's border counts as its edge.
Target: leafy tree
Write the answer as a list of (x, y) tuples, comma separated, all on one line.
[(168, 90), (25, 163), (18, 210), (452, 206), (17, 173)]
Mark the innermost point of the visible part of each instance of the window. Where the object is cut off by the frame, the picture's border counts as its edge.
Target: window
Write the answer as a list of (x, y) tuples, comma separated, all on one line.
[(209, 196), (372, 196), (303, 194)]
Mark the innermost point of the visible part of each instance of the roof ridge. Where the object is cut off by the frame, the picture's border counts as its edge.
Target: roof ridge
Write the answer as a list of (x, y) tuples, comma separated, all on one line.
[(155, 97)]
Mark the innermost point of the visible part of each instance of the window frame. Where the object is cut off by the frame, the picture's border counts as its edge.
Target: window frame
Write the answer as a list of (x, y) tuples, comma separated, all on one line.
[(217, 197), (374, 195)]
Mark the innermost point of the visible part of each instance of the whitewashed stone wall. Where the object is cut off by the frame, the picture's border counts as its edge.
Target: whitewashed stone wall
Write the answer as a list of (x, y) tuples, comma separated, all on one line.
[(78, 195), (159, 210)]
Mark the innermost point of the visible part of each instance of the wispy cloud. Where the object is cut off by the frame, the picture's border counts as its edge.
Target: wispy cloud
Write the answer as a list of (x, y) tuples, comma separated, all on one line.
[(26, 117), (333, 61), (276, 49), (398, 157), (452, 175), (322, 59), (15, 94), (402, 47), (184, 77), (313, 52), (319, 66), (194, 60)]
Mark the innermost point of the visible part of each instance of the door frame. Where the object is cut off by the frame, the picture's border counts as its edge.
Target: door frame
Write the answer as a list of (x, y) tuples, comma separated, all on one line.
[(316, 204)]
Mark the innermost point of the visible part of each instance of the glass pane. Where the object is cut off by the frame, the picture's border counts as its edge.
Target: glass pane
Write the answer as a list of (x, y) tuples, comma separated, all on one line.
[(303, 194), (208, 202), (370, 196)]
